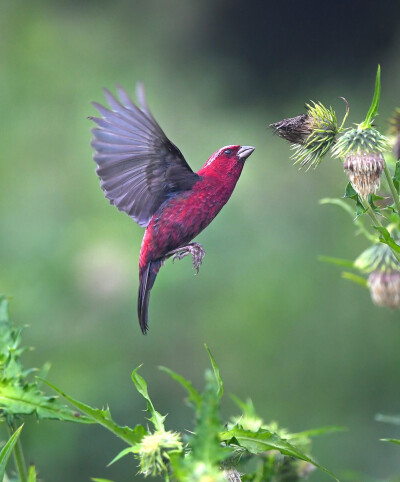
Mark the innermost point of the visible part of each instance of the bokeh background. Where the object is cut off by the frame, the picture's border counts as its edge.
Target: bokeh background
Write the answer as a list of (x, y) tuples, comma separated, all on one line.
[(309, 348)]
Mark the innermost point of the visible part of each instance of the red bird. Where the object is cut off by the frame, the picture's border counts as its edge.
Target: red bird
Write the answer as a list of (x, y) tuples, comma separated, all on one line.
[(144, 174)]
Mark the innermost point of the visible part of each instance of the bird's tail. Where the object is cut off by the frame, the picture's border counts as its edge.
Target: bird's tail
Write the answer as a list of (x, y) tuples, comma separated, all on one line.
[(147, 276)]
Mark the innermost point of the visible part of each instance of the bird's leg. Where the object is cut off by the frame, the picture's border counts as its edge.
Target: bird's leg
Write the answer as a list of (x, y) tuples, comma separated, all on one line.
[(195, 249)]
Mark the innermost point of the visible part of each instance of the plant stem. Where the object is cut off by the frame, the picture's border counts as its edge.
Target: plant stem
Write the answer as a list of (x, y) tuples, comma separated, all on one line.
[(393, 190), (19, 458), (369, 210), (375, 220)]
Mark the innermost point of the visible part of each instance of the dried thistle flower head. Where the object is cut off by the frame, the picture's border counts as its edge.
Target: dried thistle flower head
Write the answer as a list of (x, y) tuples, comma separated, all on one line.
[(362, 148), (384, 275), (311, 134), (296, 130), (153, 451)]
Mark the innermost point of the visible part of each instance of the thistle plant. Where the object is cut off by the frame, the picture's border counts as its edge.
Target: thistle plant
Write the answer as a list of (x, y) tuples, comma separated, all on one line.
[(244, 448), (367, 155)]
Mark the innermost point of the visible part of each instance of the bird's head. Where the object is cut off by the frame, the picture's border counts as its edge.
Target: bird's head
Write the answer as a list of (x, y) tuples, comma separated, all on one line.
[(228, 157)]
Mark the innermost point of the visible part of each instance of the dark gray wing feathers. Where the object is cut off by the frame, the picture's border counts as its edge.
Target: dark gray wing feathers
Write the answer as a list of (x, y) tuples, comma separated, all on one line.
[(138, 166)]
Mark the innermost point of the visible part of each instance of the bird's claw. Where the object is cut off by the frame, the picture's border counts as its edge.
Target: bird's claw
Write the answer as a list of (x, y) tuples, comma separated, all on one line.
[(195, 249)]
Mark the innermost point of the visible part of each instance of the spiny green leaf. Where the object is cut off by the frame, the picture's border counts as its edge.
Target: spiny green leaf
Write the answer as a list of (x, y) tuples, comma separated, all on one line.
[(194, 395), (350, 193), (103, 417), (32, 474), (386, 238), (338, 261), (216, 373), (259, 442), (128, 450), (18, 399), (355, 278), (205, 444), (141, 386), (373, 110), (7, 450)]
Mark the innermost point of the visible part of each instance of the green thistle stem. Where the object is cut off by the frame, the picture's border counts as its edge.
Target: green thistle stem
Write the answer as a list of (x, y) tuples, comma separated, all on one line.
[(18, 454), (393, 191), (375, 220)]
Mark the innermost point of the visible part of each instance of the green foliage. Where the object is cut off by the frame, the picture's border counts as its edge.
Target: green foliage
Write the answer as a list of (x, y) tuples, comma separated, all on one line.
[(373, 110), (103, 417), (18, 396), (6, 451), (212, 446)]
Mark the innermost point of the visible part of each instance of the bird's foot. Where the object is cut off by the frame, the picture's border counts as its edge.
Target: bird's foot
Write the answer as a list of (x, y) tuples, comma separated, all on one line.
[(195, 249)]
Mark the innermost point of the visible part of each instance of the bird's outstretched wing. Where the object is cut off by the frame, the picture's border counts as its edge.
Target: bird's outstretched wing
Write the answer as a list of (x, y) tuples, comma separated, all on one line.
[(139, 167)]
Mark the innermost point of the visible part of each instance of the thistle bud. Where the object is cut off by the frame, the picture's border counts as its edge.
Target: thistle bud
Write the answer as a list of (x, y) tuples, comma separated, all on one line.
[(384, 275), (153, 451), (311, 134), (385, 288), (361, 149)]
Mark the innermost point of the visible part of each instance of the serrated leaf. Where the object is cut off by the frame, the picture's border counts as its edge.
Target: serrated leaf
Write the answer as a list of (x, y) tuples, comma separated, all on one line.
[(103, 417), (350, 193), (216, 374), (6, 451), (387, 239), (373, 110), (194, 395), (128, 450), (264, 440), (32, 474), (355, 278), (141, 386), (18, 399), (337, 261), (205, 444)]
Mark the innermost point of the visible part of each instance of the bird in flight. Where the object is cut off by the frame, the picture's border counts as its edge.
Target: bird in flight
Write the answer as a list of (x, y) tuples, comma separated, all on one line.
[(145, 175)]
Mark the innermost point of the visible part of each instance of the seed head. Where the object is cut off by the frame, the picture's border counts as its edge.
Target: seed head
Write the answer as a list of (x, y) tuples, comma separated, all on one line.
[(311, 134), (362, 150), (384, 275), (296, 130)]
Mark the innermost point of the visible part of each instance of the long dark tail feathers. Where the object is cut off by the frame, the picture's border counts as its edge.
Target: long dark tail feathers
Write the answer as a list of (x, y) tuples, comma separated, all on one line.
[(147, 276)]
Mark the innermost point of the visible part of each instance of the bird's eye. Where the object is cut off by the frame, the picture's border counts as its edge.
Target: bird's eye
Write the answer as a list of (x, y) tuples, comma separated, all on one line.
[(228, 151)]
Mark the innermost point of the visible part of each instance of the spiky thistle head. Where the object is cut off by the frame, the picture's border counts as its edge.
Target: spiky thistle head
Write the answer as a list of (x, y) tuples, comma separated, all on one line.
[(311, 134), (362, 151), (384, 274), (153, 451)]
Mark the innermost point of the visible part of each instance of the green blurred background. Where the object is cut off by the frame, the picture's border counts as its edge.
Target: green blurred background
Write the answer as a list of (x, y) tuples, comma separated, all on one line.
[(308, 347)]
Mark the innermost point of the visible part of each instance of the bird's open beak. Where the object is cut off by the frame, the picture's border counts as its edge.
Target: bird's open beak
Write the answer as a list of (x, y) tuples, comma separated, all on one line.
[(244, 152)]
